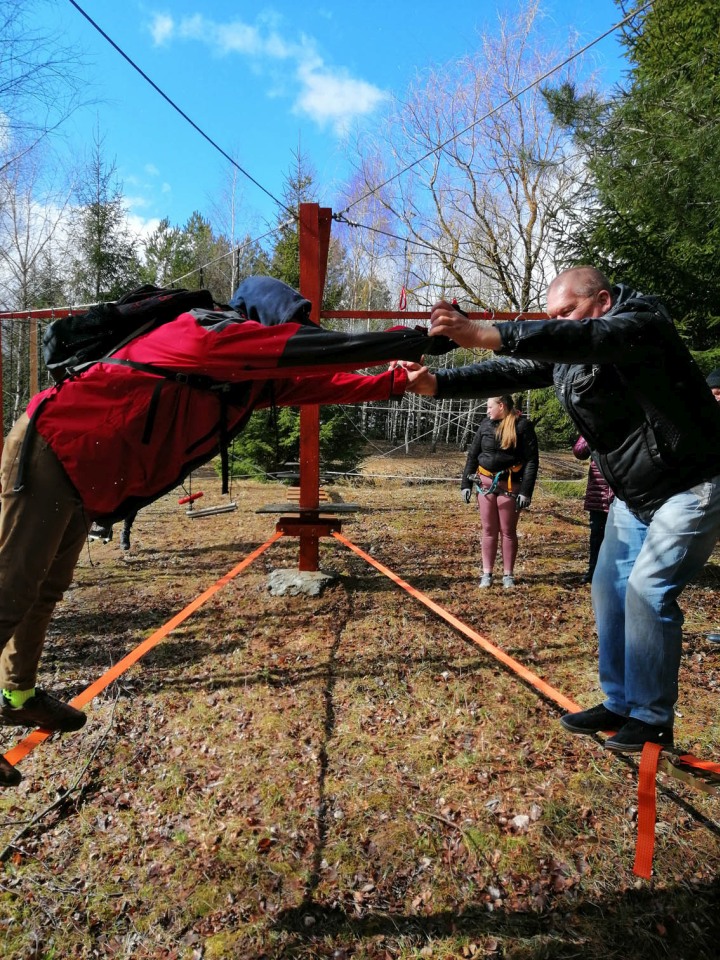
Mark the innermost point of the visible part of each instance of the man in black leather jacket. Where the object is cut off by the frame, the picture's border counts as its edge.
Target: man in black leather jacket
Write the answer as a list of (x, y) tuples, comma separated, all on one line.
[(630, 385)]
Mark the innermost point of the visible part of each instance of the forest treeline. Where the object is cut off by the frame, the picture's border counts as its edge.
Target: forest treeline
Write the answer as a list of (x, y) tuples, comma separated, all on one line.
[(521, 186)]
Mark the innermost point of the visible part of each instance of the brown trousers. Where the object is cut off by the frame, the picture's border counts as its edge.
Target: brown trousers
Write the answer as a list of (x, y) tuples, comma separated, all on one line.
[(42, 530)]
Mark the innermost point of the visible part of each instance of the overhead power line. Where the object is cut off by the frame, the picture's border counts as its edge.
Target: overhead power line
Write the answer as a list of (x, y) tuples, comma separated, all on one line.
[(230, 253), (182, 112), (426, 246), (500, 106)]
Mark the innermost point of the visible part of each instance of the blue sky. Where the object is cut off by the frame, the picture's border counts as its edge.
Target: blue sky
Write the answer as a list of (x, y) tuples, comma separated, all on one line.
[(265, 79)]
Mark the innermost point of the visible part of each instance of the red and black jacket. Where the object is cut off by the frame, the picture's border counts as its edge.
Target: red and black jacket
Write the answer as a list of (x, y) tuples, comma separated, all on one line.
[(125, 432)]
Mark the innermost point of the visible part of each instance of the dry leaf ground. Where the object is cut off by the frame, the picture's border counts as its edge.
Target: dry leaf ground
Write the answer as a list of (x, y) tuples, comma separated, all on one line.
[(346, 776)]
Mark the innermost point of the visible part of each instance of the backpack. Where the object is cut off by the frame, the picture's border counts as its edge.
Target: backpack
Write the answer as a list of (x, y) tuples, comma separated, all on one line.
[(71, 344)]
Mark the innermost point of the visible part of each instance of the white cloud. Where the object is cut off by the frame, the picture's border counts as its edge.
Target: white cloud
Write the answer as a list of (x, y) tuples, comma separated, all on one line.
[(334, 97), (151, 170), (328, 95), (162, 29), (140, 227), (240, 38), (136, 202)]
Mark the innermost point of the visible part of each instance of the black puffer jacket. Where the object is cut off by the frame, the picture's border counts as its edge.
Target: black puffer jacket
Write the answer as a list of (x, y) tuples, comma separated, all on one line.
[(485, 451), (629, 384)]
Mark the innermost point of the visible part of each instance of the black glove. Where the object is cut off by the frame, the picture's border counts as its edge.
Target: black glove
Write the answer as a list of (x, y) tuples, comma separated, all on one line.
[(466, 494), (522, 502)]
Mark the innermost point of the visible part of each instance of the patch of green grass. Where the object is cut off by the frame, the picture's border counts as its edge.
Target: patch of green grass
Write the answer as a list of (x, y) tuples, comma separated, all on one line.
[(563, 488)]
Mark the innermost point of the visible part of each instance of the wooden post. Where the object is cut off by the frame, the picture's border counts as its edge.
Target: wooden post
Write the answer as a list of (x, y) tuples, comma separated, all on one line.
[(34, 383), (314, 243)]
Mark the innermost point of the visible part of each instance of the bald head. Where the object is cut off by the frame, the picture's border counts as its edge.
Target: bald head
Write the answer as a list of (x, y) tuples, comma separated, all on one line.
[(578, 293)]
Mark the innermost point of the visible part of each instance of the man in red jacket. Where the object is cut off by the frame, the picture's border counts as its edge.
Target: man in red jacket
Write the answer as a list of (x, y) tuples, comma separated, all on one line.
[(120, 434)]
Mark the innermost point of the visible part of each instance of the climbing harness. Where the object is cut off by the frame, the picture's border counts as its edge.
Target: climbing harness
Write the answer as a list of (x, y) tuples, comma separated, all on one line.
[(497, 478)]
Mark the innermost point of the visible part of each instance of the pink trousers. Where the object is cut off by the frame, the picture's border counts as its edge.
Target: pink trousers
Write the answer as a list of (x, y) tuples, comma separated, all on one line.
[(499, 517)]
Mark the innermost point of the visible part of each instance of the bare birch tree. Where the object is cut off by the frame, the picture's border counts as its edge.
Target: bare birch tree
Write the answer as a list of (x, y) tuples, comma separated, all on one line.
[(40, 83), (33, 236), (496, 174)]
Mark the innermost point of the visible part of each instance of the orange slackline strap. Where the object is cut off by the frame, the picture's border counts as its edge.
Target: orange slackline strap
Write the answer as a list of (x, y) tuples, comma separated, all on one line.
[(651, 751), (645, 844), (477, 638), (691, 761), (25, 746)]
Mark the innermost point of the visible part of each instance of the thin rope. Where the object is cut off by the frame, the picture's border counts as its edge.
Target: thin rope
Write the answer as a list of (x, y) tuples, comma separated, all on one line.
[(505, 103), (27, 314), (181, 112), (425, 244), (238, 249)]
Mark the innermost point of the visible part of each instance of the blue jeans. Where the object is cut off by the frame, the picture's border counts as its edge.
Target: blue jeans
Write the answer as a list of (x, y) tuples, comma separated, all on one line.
[(645, 561)]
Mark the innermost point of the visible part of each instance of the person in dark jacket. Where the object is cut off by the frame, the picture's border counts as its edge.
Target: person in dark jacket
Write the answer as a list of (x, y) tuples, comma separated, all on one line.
[(501, 467), (632, 389), (713, 381), (120, 434), (598, 497)]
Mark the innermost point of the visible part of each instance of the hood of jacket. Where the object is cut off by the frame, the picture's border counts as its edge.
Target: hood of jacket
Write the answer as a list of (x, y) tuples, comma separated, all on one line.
[(270, 302)]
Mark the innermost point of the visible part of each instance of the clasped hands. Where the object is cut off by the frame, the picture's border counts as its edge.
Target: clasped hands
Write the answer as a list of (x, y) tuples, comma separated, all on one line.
[(446, 320)]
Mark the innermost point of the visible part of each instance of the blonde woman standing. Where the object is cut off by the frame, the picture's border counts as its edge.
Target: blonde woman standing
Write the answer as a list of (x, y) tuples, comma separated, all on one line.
[(501, 467)]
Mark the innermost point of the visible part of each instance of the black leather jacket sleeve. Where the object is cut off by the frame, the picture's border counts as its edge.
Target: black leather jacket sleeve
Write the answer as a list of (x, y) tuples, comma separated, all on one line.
[(631, 332), (471, 462), (492, 378), (628, 383), (634, 331)]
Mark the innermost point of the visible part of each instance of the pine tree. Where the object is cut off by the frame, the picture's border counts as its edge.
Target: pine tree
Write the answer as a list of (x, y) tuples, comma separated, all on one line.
[(654, 152), (166, 254), (298, 189), (105, 264)]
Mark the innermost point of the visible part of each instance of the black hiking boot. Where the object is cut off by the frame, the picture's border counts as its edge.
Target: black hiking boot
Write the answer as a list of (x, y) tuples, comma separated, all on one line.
[(10, 776), (636, 733), (592, 721), (42, 710)]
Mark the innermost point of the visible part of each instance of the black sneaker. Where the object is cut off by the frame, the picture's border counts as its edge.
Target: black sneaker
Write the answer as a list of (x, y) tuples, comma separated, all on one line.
[(10, 776), (99, 531), (593, 720), (636, 733), (42, 710)]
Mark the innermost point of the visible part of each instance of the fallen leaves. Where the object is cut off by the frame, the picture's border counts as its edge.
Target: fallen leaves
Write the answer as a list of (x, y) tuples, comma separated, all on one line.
[(345, 776)]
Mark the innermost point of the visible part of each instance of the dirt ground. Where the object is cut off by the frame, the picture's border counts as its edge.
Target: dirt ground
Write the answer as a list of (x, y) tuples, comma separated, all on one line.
[(347, 775)]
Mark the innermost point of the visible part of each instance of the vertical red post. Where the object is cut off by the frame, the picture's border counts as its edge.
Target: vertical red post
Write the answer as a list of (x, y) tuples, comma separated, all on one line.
[(33, 381), (314, 243)]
